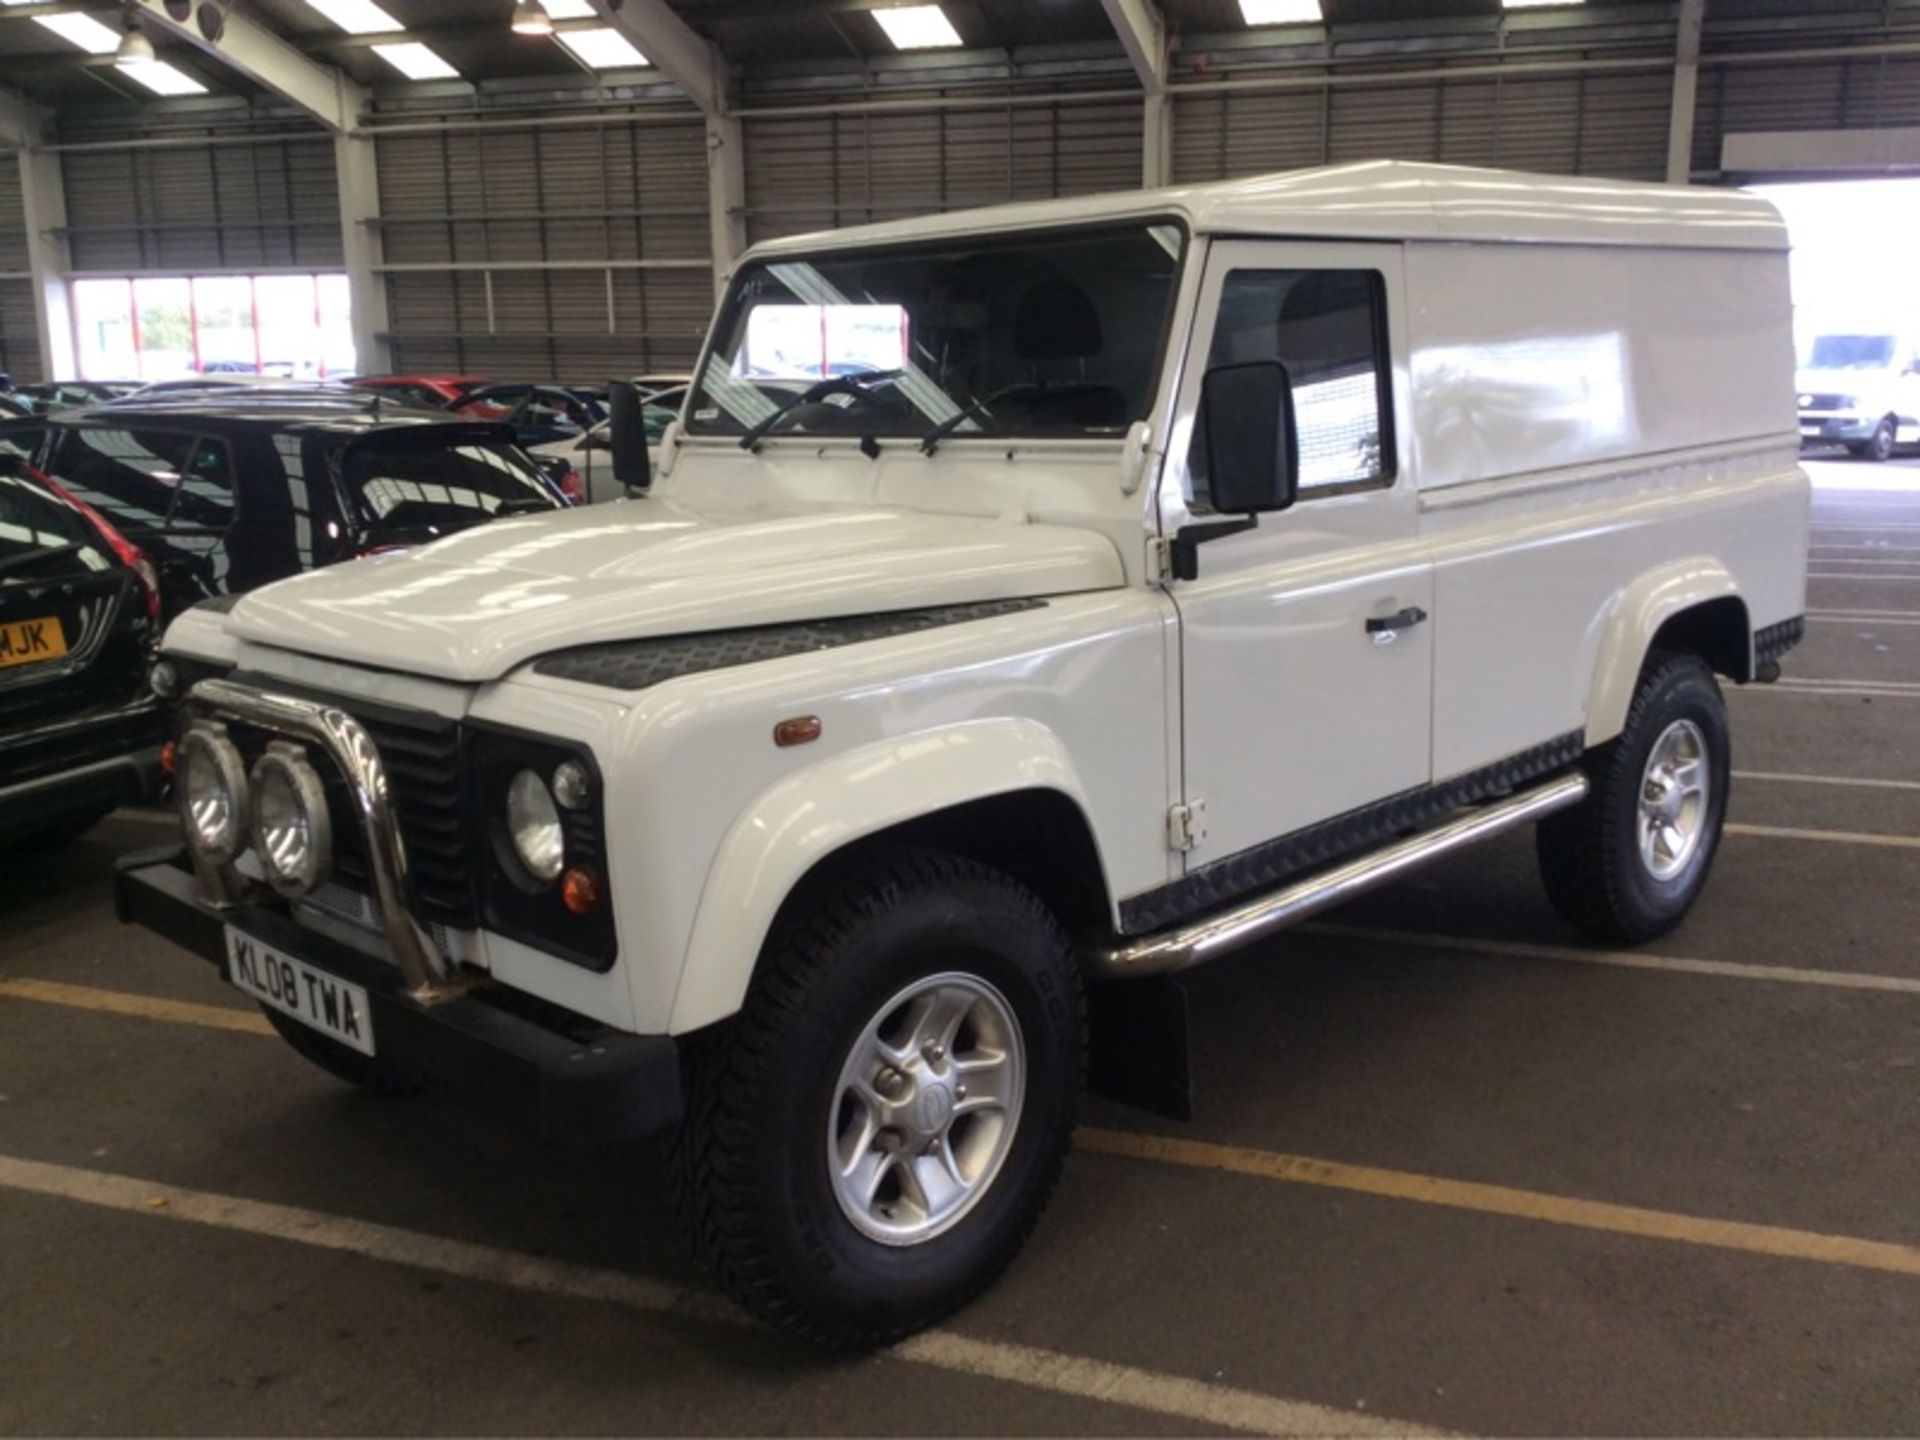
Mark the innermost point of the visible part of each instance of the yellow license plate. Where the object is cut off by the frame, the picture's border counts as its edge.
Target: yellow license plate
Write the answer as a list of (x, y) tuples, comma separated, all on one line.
[(25, 641)]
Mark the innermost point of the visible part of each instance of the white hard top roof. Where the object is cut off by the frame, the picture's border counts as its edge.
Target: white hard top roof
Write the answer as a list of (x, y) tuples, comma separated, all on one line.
[(1384, 200)]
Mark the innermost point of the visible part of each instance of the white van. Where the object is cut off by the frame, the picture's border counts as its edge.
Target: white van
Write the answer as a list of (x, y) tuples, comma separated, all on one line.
[(1861, 389), (1029, 605)]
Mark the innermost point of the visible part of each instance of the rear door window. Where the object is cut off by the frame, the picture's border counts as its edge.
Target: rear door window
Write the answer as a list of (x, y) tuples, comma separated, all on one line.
[(130, 476), (406, 488)]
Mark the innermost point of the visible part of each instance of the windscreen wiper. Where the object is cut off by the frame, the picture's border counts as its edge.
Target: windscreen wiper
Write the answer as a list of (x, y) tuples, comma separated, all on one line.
[(972, 410), (855, 385)]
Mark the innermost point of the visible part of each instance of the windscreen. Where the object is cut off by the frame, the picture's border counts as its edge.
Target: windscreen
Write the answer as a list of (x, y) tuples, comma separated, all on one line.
[(424, 485), (1851, 352), (1044, 335)]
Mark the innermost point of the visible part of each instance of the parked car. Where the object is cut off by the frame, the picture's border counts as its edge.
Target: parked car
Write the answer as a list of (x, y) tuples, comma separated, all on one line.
[(226, 494), (428, 392), (652, 387), (581, 464), (13, 408), (80, 731), (1208, 557), (66, 394), (1861, 390), (539, 414)]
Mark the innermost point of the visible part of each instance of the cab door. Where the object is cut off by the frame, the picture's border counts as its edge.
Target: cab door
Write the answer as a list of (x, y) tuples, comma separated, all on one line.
[(1306, 641)]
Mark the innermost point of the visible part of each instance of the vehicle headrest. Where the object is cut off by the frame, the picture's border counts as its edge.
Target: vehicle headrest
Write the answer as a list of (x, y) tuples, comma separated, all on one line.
[(1056, 321)]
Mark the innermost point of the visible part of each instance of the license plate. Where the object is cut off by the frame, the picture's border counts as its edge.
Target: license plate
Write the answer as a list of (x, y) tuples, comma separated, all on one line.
[(24, 642), (330, 1005)]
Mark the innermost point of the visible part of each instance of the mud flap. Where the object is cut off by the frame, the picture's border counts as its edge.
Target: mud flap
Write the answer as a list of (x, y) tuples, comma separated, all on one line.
[(1138, 1052)]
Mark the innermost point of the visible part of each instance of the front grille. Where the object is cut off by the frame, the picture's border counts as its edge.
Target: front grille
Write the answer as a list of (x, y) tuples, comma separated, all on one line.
[(421, 753), (1825, 402)]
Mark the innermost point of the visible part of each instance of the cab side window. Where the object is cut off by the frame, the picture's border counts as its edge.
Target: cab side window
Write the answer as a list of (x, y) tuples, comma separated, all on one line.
[(1329, 328)]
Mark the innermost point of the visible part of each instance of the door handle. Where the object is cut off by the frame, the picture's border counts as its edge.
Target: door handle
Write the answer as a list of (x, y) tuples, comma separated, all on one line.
[(1387, 625)]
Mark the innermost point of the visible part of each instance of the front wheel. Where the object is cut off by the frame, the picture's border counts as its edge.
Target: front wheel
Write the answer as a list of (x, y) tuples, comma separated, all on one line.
[(871, 1140), (1628, 862), (1879, 449)]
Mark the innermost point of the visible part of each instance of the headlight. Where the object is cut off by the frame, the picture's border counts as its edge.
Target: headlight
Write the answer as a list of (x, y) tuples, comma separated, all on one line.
[(533, 825), (291, 827), (213, 793), (164, 679)]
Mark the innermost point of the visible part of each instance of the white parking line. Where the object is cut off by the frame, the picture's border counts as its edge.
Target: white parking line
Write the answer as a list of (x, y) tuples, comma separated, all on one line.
[(1156, 1392), (1826, 780), (1619, 959), (1838, 575), (1847, 617), (1853, 689)]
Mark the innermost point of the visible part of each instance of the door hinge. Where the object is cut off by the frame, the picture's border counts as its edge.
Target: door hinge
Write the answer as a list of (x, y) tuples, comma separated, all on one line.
[(1159, 559), (1187, 826)]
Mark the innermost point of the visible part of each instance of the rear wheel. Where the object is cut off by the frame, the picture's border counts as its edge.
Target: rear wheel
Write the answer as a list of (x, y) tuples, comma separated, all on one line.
[(871, 1140), (1628, 862), (369, 1072)]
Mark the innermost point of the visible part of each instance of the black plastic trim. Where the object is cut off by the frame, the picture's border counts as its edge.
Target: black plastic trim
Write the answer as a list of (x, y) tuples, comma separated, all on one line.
[(1275, 861), (592, 1086), (640, 664), (1774, 641)]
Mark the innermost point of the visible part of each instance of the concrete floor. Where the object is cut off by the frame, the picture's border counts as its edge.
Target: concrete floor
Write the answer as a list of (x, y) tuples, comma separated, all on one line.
[(1544, 1189)]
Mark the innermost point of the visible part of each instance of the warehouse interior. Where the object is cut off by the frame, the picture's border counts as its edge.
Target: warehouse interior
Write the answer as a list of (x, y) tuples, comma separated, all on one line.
[(1449, 1163)]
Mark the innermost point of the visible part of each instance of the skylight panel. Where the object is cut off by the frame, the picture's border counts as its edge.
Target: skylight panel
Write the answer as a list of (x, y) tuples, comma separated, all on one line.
[(1280, 12), (416, 61), (91, 35), (917, 27), (603, 49), (1538, 4), (162, 78), (356, 17), (567, 9)]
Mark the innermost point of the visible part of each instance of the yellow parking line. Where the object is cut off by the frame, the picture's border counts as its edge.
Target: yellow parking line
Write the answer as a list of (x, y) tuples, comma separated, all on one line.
[(1831, 837), (145, 1007), (1517, 1204), (1195, 1154), (1848, 780), (1619, 959)]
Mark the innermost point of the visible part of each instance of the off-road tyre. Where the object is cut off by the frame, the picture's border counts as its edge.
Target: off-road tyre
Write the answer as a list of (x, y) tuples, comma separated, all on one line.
[(368, 1072), (749, 1166), (1590, 856)]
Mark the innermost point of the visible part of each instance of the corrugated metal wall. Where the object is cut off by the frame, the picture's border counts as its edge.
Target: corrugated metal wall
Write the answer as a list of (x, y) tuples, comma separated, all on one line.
[(818, 172), (1869, 93), (1612, 124), (19, 327), (204, 207), (597, 239)]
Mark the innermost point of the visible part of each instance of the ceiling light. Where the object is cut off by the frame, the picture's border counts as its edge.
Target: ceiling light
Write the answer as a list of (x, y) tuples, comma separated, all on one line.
[(415, 61), (1537, 4), (162, 78), (603, 49), (569, 9), (917, 27), (356, 17), (1280, 12), (135, 48), (89, 34), (530, 19)]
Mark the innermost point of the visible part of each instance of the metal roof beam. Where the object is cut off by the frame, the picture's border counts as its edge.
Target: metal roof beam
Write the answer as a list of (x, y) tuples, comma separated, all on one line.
[(323, 92), (1143, 35), (673, 48)]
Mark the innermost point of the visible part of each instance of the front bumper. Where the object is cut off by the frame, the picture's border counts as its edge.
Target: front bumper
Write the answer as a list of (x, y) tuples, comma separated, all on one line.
[(1817, 428), (607, 1089)]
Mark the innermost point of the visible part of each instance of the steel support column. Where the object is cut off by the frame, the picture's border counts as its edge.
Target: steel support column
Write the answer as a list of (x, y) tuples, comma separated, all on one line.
[(356, 167), (1686, 89)]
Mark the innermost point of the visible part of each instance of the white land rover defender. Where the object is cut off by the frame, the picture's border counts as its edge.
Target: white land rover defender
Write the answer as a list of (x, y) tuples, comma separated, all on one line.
[(1028, 605)]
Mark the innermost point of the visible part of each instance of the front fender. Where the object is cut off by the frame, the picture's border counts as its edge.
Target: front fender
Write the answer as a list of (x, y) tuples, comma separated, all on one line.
[(805, 817), (1643, 607)]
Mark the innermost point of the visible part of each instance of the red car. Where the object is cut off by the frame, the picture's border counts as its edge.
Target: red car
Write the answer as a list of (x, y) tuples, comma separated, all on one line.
[(428, 392)]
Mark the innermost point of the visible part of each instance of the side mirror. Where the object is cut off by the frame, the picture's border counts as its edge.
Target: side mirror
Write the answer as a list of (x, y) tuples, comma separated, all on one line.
[(1253, 454), (627, 436)]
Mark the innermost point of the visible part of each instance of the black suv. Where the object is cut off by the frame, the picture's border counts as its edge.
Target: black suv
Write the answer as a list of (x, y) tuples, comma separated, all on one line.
[(80, 732), (224, 494)]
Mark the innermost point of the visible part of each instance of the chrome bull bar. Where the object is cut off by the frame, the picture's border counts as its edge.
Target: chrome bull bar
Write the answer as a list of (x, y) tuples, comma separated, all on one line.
[(343, 740)]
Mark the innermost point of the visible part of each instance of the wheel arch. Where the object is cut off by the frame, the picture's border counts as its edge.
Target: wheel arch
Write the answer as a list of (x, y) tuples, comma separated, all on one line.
[(1693, 605), (1003, 792)]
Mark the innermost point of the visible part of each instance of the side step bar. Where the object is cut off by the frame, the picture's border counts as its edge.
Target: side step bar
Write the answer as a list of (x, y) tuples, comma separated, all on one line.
[(1258, 918)]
